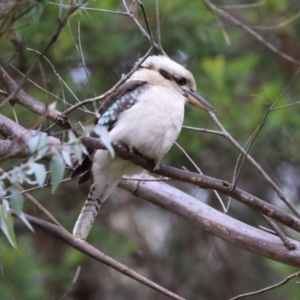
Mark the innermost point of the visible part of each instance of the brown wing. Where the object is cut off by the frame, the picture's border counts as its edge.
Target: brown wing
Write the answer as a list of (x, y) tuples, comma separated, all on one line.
[(119, 101)]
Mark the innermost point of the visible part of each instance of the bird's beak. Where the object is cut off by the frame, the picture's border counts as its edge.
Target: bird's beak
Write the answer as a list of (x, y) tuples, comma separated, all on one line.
[(196, 100)]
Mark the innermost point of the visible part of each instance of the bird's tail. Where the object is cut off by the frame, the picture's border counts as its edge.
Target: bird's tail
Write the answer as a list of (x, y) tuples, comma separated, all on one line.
[(97, 195)]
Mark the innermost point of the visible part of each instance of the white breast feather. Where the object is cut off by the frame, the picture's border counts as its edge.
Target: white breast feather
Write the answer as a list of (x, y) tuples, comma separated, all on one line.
[(153, 124)]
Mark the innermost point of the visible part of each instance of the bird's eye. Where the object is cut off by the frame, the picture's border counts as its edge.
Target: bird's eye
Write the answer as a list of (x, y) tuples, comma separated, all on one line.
[(180, 80)]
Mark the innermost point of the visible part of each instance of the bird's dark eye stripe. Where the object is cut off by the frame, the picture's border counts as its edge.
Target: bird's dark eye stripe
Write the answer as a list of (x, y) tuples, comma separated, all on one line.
[(165, 74), (180, 80)]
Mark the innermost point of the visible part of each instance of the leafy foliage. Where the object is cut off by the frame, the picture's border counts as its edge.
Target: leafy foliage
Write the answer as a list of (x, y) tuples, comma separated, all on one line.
[(241, 79)]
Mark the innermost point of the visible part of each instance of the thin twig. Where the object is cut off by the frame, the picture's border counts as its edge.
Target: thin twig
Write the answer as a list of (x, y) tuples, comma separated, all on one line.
[(259, 127), (146, 21), (200, 172), (212, 221), (256, 165), (109, 92), (56, 73), (267, 288), (143, 31), (53, 39), (204, 130), (224, 33), (158, 27), (242, 6), (285, 106), (74, 280), (115, 12), (279, 25), (32, 199), (248, 29), (286, 241)]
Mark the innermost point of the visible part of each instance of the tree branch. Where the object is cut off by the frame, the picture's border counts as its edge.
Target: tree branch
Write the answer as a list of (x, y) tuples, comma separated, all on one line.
[(213, 221), (94, 253), (202, 181), (21, 97), (248, 29), (17, 138)]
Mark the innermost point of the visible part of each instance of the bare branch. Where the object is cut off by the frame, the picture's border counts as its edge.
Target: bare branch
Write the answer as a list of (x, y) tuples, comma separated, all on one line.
[(200, 172), (32, 200), (15, 89), (74, 280), (18, 136), (202, 181), (243, 6), (22, 98), (279, 25), (113, 89), (267, 288), (199, 180), (256, 166), (286, 241), (213, 221), (62, 234), (248, 29), (115, 12)]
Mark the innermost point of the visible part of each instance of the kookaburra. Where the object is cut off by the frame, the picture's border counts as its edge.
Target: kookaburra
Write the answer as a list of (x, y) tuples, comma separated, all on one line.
[(146, 114)]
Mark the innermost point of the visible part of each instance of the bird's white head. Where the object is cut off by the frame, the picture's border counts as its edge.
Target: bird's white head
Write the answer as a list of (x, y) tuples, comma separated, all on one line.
[(161, 70)]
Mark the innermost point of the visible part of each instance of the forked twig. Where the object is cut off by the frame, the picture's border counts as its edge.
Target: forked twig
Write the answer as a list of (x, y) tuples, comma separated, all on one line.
[(248, 29), (200, 172), (256, 165), (267, 288)]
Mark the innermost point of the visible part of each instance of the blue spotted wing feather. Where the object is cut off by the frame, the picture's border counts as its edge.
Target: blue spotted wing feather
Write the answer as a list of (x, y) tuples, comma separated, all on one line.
[(123, 99), (119, 101)]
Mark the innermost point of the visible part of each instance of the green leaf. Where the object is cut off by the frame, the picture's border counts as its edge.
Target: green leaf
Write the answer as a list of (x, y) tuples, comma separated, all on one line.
[(16, 201), (77, 151), (38, 144), (72, 137), (2, 189), (25, 221), (18, 174), (39, 171), (7, 223), (67, 158), (57, 169)]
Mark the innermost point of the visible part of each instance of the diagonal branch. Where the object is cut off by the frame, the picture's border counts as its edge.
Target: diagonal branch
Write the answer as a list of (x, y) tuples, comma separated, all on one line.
[(94, 253), (17, 137), (248, 29), (213, 221), (21, 97), (202, 181)]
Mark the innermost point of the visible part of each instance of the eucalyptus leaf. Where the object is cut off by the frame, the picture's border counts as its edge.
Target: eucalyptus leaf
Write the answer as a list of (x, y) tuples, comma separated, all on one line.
[(16, 201), (40, 172), (57, 169), (7, 223), (25, 221), (2, 189), (18, 174), (67, 158), (77, 151), (72, 136), (38, 144)]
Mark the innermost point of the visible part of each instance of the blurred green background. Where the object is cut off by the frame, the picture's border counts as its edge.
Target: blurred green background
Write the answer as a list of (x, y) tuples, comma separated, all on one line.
[(239, 78)]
